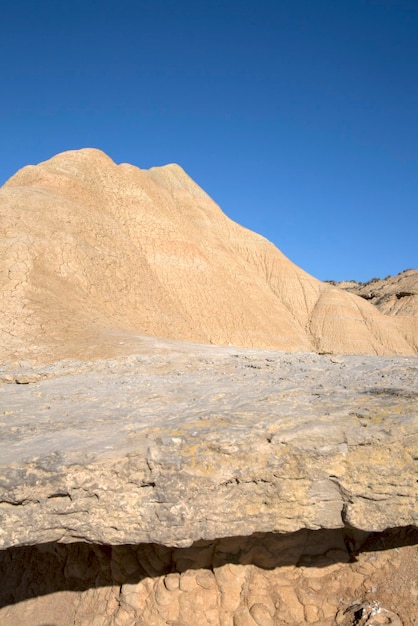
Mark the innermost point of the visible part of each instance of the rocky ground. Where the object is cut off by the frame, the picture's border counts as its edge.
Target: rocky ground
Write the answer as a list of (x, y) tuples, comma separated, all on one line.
[(308, 577), (193, 484), (154, 482)]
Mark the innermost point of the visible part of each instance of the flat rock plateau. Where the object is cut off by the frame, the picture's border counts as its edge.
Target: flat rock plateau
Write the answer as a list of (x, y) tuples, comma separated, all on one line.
[(149, 478)]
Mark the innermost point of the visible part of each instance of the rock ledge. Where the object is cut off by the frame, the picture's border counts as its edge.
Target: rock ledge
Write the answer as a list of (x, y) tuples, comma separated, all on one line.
[(186, 442)]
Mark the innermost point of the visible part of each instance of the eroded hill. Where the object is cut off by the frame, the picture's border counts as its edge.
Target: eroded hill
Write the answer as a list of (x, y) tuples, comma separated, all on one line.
[(95, 254), (393, 295)]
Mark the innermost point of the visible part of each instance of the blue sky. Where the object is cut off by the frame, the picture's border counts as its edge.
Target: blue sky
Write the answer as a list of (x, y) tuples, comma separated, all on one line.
[(299, 117)]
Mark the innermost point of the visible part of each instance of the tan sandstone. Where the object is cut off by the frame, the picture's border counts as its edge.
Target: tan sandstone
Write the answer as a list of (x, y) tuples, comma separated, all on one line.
[(393, 295), (94, 253), (208, 485), (149, 481), (369, 584)]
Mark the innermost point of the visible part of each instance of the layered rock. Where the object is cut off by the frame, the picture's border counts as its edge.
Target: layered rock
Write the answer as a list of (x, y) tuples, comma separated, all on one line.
[(201, 444), (213, 485), (393, 295), (94, 253), (173, 483)]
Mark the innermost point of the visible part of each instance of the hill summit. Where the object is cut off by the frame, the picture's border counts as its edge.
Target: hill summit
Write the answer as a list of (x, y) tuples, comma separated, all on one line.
[(96, 255)]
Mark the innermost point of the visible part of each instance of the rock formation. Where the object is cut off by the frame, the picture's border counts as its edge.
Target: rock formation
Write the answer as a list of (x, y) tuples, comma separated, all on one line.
[(206, 441), (393, 295), (213, 484), (310, 577), (94, 253), (157, 482)]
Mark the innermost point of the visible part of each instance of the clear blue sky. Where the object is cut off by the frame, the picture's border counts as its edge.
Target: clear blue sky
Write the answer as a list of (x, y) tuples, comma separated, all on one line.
[(299, 117)]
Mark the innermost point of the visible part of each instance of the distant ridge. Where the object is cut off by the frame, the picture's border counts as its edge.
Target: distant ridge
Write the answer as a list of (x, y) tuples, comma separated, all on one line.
[(94, 254), (393, 295)]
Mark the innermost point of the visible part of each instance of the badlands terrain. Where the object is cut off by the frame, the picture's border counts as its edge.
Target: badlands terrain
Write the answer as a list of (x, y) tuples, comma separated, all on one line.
[(193, 429), (393, 295), (94, 252)]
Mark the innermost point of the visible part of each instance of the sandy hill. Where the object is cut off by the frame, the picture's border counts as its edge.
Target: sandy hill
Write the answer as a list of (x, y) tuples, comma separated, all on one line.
[(94, 254), (393, 295)]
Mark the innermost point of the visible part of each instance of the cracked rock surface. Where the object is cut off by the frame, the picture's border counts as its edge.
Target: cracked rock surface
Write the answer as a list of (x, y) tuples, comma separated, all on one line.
[(191, 484), (150, 482), (185, 442), (92, 253)]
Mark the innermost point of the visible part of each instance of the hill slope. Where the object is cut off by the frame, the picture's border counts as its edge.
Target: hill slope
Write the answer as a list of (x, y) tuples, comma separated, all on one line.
[(393, 295), (94, 253)]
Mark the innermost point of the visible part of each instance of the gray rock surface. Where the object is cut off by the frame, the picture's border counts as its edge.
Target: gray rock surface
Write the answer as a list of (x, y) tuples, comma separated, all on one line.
[(185, 442)]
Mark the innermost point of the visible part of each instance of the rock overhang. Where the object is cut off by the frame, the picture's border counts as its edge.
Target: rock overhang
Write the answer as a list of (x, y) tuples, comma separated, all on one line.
[(206, 443)]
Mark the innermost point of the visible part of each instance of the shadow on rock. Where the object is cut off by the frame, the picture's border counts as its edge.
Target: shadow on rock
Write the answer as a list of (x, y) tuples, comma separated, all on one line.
[(33, 571)]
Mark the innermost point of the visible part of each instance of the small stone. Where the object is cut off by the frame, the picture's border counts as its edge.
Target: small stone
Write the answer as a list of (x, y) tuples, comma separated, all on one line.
[(163, 597), (172, 582), (311, 613), (261, 615), (242, 617), (206, 580), (188, 581)]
